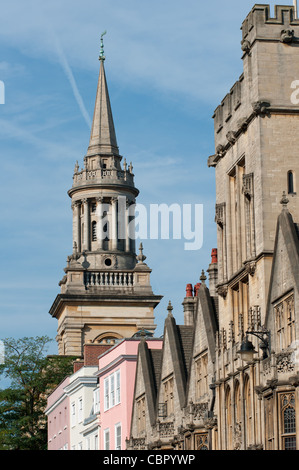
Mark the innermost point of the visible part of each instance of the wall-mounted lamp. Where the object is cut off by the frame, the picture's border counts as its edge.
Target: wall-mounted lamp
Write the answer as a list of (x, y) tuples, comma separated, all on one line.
[(247, 350)]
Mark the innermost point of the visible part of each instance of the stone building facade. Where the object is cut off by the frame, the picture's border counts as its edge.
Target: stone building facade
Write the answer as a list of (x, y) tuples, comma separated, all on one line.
[(203, 393)]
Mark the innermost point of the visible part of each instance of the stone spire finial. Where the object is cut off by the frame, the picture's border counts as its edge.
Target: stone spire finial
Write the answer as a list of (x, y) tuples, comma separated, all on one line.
[(169, 308), (203, 277), (102, 55), (284, 201), (141, 257)]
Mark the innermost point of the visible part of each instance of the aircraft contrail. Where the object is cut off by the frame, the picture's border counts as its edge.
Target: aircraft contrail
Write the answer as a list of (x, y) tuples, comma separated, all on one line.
[(73, 84)]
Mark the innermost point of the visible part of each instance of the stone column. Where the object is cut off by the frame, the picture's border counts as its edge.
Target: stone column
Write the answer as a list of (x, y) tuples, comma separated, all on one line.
[(100, 234), (76, 226), (114, 223), (86, 225), (127, 221), (132, 234)]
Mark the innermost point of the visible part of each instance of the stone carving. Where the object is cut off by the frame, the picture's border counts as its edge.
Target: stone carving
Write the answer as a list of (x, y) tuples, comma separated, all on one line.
[(222, 291), (220, 214), (166, 429), (231, 137), (247, 188), (250, 267), (220, 150), (287, 36), (198, 410), (284, 362), (237, 436), (245, 45), (260, 107)]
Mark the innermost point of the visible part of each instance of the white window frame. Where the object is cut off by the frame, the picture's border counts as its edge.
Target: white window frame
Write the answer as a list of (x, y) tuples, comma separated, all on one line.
[(117, 387), (117, 436), (96, 400), (80, 410), (73, 413), (106, 436), (106, 394), (112, 390)]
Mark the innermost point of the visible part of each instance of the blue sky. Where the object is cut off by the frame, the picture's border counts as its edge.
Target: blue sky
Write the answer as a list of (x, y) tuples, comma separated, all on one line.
[(168, 65)]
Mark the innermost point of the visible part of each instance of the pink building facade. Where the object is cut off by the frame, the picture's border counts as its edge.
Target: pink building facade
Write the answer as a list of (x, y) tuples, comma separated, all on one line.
[(117, 369), (58, 412), (98, 395)]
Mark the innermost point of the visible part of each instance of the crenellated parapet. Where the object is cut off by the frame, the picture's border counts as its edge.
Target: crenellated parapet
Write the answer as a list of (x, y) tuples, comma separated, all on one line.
[(270, 73), (258, 25)]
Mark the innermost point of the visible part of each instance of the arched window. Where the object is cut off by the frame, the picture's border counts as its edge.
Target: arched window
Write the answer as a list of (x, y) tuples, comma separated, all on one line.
[(288, 418), (94, 231), (291, 182)]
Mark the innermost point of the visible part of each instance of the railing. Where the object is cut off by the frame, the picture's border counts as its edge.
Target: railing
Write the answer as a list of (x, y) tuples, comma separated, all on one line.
[(103, 175), (108, 279)]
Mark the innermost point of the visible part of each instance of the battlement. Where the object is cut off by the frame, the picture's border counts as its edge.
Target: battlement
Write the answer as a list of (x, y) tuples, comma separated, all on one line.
[(270, 69), (259, 25)]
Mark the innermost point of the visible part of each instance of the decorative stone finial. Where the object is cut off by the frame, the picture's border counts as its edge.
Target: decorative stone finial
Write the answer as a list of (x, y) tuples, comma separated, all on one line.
[(284, 201), (102, 55), (141, 257), (203, 277), (169, 308)]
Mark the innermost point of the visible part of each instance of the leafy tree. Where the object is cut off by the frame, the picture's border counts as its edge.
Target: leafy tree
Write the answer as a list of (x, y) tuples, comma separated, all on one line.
[(32, 375)]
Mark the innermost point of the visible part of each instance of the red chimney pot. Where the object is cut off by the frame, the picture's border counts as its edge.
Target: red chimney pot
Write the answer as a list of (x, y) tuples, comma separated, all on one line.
[(189, 290), (214, 255)]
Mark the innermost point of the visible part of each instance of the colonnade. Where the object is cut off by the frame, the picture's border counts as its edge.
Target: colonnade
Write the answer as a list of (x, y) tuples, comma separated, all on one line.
[(114, 221)]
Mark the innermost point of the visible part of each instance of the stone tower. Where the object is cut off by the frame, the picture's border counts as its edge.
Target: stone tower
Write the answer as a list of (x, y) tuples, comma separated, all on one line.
[(106, 293), (256, 160)]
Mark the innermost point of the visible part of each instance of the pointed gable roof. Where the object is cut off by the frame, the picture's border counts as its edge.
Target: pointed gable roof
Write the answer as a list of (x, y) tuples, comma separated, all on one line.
[(180, 340), (102, 136), (286, 230), (209, 316), (150, 360)]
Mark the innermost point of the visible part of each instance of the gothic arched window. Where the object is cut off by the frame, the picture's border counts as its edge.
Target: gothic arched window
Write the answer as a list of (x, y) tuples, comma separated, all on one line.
[(288, 421)]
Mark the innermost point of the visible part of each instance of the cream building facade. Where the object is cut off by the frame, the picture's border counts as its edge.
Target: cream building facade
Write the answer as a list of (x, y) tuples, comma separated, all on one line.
[(219, 400)]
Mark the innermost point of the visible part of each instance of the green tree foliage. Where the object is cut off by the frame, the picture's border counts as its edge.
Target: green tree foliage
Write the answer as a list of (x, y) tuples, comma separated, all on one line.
[(32, 375)]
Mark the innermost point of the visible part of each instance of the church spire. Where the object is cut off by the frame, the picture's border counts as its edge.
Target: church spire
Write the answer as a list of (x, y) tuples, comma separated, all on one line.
[(102, 136)]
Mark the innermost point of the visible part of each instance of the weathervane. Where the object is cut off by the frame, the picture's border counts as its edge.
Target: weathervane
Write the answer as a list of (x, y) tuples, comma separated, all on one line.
[(102, 56)]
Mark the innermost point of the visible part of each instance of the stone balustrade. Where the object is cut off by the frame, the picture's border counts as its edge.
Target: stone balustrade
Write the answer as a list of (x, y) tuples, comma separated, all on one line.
[(108, 279)]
